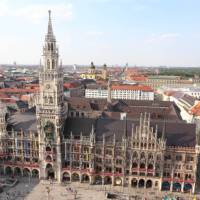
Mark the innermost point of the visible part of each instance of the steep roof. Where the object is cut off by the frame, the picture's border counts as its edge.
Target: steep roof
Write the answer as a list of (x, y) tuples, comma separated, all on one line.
[(133, 108), (177, 134), (23, 121)]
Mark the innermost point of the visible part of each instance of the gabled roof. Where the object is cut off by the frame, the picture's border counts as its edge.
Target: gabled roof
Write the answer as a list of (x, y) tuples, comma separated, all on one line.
[(177, 133)]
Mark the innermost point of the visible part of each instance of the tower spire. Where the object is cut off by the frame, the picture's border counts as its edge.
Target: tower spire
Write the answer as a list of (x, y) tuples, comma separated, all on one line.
[(50, 29)]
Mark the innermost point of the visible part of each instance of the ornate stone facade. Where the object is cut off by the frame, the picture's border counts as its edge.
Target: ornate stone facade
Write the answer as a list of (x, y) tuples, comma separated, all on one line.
[(53, 144), (51, 112)]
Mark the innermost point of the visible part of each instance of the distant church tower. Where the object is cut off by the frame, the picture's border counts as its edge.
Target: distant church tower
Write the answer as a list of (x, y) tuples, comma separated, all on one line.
[(51, 110)]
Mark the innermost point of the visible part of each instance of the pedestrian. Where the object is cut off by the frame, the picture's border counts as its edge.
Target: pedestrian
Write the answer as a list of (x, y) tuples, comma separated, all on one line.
[(75, 193)]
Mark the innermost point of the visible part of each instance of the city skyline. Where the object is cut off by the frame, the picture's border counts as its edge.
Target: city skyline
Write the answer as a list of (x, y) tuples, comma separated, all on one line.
[(151, 32)]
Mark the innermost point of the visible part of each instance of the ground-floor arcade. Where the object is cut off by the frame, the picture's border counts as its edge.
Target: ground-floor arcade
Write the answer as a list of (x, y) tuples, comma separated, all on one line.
[(177, 186), (131, 181), (99, 179), (17, 171)]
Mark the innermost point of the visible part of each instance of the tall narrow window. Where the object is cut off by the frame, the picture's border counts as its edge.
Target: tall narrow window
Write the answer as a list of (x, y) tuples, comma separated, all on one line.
[(45, 99), (51, 46), (53, 64), (50, 99), (48, 64)]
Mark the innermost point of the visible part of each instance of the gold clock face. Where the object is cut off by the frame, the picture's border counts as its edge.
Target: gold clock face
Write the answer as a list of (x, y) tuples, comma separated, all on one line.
[(47, 86)]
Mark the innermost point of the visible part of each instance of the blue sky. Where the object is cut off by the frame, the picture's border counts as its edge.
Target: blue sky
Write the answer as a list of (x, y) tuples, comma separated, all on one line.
[(140, 32)]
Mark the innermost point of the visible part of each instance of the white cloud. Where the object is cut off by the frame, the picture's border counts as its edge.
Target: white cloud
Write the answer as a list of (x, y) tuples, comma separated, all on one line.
[(94, 33), (163, 37), (37, 12), (169, 35)]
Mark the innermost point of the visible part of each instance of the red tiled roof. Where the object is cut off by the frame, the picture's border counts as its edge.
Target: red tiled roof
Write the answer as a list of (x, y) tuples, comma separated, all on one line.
[(169, 93), (4, 96), (132, 87), (17, 90), (24, 97), (71, 84), (195, 110), (32, 86), (138, 78)]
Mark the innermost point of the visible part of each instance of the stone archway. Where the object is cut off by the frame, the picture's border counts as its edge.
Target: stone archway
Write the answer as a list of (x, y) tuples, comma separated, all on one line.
[(98, 180), (107, 180), (17, 171), (134, 182), (149, 184), (187, 187), (8, 170), (66, 177), (165, 185), (176, 187), (141, 183), (85, 178), (1, 170), (75, 177), (118, 181), (35, 173), (50, 174), (26, 172)]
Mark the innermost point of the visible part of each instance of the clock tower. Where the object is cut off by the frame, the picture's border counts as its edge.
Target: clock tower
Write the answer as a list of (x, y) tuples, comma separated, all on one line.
[(51, 111)]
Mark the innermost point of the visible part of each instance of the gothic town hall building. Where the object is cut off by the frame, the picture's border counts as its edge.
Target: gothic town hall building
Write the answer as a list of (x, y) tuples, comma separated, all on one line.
[(87, 141)]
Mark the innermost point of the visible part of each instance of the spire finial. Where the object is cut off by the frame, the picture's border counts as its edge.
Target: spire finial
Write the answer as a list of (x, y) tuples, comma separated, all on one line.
[(49, 14), (50, 29)]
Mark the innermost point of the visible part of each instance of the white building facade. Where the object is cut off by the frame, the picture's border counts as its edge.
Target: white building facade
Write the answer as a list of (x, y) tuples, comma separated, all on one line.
[(121, 92)]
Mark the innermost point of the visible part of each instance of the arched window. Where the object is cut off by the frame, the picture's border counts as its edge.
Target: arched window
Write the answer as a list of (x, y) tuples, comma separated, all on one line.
[(48, 64), (135, 155), (49, 130), (50, 99), (51, 46), (142, 155), (150, 156), (45, 99)]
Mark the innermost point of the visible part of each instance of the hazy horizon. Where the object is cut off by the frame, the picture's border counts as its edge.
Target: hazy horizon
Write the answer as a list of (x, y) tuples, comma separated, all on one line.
[(138, 32)]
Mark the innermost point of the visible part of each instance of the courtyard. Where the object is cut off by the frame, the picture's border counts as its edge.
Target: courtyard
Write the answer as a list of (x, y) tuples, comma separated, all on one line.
[(33, 189)]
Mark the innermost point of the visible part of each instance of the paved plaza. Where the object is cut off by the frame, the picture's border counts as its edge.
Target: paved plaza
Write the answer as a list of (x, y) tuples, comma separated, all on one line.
[(45, 190)]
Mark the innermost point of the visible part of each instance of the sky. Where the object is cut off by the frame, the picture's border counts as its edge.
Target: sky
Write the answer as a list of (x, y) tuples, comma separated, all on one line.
[(115, 32)]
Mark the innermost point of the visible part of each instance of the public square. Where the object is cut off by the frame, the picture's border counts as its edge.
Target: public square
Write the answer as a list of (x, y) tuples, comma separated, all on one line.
[(32, 189)]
